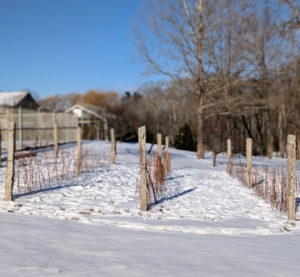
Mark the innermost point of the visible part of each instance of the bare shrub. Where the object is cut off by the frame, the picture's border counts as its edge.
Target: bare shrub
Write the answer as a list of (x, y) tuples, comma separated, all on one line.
[(269, 184)]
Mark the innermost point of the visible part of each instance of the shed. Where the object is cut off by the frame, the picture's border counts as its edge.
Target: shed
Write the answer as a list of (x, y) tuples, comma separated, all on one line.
[(93, 120)]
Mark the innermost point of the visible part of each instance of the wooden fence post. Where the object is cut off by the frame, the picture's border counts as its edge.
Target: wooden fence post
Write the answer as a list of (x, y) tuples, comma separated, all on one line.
[(53, 117), (39, 126), (66, 129), (55, 139), (167, 144), (105, 127), (167, 157), (113, 146), (159, 142), (229, 156), (142, 150), (20, 128), (249, 161), (82, 127), (10, 170), (7, 121), (291, 168), (79, 151)]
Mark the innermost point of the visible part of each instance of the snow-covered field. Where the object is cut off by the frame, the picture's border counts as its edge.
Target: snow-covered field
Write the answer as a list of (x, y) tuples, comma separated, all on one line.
[(206, 224)]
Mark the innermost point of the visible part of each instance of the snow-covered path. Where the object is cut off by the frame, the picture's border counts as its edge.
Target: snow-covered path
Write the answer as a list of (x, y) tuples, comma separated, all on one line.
[(102, 230)]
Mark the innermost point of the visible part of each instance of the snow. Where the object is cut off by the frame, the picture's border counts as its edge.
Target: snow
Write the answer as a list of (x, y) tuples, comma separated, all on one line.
[(11, 98), (206, 223)]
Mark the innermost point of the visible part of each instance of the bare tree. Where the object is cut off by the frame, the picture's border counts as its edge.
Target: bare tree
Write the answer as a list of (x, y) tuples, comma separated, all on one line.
[(175, 44), (197, 40), (294, 8)]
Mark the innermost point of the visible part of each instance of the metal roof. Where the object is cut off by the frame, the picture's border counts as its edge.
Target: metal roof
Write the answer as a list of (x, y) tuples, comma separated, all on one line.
[(12, 98)]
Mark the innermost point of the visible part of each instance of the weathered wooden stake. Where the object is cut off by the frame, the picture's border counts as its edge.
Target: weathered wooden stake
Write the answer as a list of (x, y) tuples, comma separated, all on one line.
[(142, 150), (79, 151), (66, 130), (20, 128), (105, 127), (167, 144), (291, 168), (55, 139), (7, 121), (159, 142), (10, 170), (229, 156), (39, 120), (113, 146), (249, 161)]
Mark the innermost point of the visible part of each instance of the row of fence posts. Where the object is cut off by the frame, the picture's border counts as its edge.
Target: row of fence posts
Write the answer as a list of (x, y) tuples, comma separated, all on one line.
[(291, 162), (143, 168), (291, 171), (11, 149)]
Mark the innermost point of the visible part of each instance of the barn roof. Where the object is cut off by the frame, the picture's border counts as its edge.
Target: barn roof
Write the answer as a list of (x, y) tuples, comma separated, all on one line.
[(12, 99)]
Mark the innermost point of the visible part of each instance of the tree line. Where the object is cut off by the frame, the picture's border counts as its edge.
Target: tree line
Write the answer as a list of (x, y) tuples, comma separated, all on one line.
[(232, 70), (240, 58)]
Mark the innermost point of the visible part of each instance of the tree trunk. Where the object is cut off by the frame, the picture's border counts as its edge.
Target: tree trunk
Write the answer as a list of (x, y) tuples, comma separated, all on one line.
[(229, 155), (214, 158), (280, 134), (200, 140), (269, 137), (200, 83), (298, 145)]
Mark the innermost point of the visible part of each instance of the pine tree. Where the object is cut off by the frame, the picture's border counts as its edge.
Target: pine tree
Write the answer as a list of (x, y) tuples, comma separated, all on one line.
[(184, 139)]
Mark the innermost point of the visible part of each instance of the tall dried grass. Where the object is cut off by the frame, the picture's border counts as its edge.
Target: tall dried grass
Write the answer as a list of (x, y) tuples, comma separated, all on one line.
[(155, 179), (43, 171), (268, 183)]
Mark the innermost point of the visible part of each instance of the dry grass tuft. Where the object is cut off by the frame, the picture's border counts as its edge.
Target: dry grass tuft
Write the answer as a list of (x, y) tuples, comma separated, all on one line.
[(159, 173)]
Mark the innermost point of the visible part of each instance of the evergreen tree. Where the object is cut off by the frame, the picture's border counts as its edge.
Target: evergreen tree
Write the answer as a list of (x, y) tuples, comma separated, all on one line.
[(184, 139)]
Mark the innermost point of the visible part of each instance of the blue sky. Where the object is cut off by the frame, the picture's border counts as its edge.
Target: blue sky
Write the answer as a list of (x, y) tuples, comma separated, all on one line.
[(60, 46)]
